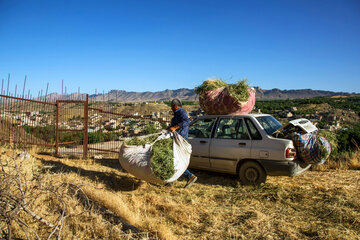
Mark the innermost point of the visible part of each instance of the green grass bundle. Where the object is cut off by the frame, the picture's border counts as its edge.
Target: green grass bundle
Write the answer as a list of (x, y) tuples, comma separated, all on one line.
[(238, 90), (162, 159), (162, 155), (323, 153), (331, 137), (137, 141), (209, 85)]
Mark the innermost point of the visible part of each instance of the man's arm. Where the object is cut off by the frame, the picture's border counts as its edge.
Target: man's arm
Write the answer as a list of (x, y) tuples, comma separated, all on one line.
[(181, 119), (174, 128)]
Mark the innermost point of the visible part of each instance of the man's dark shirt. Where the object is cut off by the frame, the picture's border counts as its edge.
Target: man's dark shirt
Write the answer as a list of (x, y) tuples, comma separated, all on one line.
[(181, 119)]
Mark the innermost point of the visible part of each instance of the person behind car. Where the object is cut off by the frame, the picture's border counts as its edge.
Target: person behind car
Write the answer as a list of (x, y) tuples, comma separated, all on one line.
[(180, 123)]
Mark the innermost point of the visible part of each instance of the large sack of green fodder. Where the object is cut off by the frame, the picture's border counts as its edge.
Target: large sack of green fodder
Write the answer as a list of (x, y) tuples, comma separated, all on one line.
[(217, 97), (310, 148), (159, 160)]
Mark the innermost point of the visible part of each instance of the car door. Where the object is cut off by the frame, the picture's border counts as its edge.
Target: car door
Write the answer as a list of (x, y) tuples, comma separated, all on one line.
[(230, 144), (259, 150), (199, 138)]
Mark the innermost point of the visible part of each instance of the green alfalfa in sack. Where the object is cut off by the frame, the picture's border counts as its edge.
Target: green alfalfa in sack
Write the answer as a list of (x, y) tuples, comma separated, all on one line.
[(209, 85), (161, 155), (238, 90), (138, 141), (162, 158)]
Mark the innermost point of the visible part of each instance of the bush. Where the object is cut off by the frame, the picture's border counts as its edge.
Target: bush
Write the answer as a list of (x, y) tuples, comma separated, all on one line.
[(48, 134), (349, 139)]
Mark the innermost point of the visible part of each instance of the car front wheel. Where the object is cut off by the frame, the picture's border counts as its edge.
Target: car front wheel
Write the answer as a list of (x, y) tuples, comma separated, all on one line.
[(251, 173)]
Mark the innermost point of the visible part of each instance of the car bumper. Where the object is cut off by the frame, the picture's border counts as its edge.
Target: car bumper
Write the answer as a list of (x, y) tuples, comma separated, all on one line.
[(283, 168)]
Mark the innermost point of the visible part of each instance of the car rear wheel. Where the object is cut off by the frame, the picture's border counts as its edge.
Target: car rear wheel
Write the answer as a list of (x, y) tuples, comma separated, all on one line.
[(251, 173)]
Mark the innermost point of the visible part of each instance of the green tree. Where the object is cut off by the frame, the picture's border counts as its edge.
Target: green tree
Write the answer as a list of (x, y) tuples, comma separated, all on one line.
[(349, 139)]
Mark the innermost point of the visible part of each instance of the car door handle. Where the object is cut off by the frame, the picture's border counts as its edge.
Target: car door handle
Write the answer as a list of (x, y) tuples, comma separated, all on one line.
[(242, 144), (203, 141)]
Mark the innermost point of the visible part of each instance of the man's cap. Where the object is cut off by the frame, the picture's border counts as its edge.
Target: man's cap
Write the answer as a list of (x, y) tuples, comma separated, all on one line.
[(176, 102)]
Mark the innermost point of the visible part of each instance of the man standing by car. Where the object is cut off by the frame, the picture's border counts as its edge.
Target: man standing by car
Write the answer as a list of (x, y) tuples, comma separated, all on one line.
[(180, 123)]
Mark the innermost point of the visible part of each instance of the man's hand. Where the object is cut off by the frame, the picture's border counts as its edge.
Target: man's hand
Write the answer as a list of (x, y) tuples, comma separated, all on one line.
[(173, 128)]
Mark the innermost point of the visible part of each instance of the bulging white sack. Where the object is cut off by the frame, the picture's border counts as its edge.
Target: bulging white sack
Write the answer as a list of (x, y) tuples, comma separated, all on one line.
[(136, 159)]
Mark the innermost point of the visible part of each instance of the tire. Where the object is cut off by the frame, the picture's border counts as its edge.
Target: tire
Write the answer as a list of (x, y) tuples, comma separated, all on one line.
[(252, 173)]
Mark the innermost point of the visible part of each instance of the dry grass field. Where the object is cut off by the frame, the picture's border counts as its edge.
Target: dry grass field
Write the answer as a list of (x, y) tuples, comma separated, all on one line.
[(319, 204)]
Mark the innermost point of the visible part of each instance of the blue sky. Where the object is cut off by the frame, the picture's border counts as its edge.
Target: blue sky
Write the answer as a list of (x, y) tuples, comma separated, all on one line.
[(157, 45)]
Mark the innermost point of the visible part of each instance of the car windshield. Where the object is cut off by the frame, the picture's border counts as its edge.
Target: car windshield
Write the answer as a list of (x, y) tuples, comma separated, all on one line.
[(269, 123)]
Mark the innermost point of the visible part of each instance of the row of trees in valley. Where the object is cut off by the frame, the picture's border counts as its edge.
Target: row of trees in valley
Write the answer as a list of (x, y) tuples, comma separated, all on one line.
[(346, 103), (48, 134)]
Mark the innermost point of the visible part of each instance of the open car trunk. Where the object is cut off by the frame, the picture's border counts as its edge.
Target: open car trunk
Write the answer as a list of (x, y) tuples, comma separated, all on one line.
[(310, 149), (301, 125)]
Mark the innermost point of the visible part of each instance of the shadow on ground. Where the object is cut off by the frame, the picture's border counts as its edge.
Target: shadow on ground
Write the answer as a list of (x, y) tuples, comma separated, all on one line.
[(110, 180), (204, 177), (110, 162), (124, 183), (214, 178)]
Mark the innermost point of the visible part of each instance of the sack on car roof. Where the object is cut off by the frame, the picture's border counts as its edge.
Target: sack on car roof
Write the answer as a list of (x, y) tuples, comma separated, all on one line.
[(218, 98)]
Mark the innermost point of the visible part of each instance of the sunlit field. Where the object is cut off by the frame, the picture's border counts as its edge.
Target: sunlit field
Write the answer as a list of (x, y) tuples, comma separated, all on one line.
[(318, 204)]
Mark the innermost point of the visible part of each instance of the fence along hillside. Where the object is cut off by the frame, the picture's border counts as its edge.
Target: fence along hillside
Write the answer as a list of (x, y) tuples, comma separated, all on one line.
[(73, 124), (16, 114), (15, 134)]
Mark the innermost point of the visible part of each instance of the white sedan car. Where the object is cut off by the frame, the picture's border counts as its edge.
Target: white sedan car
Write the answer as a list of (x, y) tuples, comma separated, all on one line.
[(244, 145)]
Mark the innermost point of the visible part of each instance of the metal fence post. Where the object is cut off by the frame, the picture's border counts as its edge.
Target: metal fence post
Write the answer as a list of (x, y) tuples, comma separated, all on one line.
[(57, 129), (86, 111)]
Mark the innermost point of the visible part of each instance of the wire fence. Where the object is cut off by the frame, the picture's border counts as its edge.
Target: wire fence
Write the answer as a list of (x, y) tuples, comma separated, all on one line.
[(77, 124), (19, 117)]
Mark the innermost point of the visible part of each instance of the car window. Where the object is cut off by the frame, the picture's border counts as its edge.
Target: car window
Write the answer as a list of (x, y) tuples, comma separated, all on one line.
[(254, 133), (269, 123), (226, 128), (201, 128), (242, 133)]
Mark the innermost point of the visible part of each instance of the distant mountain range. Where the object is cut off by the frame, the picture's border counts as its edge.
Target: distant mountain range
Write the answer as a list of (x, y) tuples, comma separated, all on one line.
[(276, 93), (189, 95)]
